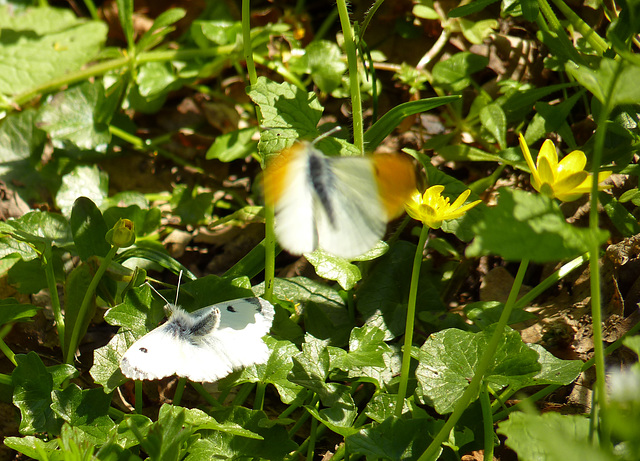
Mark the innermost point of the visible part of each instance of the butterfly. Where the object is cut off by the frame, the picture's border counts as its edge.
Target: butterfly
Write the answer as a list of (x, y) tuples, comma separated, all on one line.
[(339, 204), (205, 345)]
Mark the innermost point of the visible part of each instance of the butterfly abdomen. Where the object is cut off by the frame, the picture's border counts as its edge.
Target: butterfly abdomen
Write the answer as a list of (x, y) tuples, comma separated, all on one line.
[(321, 179)]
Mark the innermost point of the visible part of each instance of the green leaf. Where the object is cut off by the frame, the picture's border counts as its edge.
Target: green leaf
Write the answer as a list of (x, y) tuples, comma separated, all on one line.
[(626, 223), (325, 64), (160, 28), (167, 437), (395, 439), (233, 145), (193, 208), (106, 361), (82, 181), (145, 220), (530, 9), (32, 395), (85, 410), (518, 102), (215, 32), (529, 226), (470, 8), (454, 74), (551, 437), (89, 229), (276, 444), (41, 228), (13, 311), (331, 267), (32, 447), (21, 145), (448, 361), (493, 119), (75, 119), (275, 371), (486, 313), (340, 412), (390, 120), (383, 295), (155, 79), (40, 44), (288, 112), (613, 82), (554, 370), (477, 31), (125, 15)]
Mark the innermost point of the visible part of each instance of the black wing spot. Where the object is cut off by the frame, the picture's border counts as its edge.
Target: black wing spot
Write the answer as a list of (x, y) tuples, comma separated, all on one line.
[(230, 308), (144, 349)]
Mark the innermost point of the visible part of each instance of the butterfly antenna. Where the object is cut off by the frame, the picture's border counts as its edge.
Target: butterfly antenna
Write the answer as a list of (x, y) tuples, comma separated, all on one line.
[(157, 292), (333, 130), (178, 287)]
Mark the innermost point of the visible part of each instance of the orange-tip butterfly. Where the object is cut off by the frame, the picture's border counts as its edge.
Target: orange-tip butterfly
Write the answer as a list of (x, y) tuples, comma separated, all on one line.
[(339, 204)]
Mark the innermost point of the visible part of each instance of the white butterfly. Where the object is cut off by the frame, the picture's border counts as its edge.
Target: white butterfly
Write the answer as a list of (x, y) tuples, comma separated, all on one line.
[(205, 345), (339, 204)]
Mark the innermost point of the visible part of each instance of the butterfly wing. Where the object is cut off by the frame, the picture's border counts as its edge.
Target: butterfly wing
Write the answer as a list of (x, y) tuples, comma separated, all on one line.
[(287, 188), (154, 356), (238, 339)]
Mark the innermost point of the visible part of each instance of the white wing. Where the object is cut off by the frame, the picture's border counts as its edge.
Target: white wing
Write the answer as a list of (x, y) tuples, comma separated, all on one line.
[(205, 345), (353, 219), (295, 224)]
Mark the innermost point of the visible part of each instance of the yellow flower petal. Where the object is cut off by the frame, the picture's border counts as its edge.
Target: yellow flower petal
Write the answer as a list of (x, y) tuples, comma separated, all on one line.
[(575, 161), (548, 151), (570, 183), (529, 159), (546, 171)]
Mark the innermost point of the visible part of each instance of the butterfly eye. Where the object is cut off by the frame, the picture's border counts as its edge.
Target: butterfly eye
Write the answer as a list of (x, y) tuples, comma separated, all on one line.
[(144, 349)]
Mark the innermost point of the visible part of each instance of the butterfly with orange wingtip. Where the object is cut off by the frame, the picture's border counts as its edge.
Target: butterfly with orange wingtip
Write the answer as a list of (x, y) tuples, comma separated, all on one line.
[(339, 204)]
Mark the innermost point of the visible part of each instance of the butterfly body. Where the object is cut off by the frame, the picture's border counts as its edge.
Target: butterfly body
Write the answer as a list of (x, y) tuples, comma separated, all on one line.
[(339, 204), (205, 345)]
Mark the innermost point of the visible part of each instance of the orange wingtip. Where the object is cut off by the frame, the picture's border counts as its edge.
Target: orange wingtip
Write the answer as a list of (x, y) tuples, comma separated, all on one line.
[(396, 179), (276, 174)]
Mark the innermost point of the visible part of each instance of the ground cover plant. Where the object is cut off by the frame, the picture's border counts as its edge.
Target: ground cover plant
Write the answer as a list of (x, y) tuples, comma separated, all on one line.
[(498, 317)]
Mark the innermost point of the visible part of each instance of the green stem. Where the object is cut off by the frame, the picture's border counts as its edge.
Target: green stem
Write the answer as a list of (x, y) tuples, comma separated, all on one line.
[(486, 360), (594, 266), (551, 281), (180, 385), (93, 11), (137, 386), (258, 401), (205, 395), (354, 80), (411, 314), (487, 421), (53, 292), (6, 350), (556, 29), (312, 437), (86, 301), (246, 41)]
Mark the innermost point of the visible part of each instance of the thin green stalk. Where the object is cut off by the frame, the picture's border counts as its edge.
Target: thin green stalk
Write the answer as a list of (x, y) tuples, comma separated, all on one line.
[(411, 314), (53, 292), (354, 80), (205, 395), (596, 42), (281, 70), (180, 385), (313, 433), (86, 301), (293, 406), (594, 265), (137, 385), (258, 401), (93, 11), (551, 280), (486, 360), (487, 422), (6, 350), (246, 41)]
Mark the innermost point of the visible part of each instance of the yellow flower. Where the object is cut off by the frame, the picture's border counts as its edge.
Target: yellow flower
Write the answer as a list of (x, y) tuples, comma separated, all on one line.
[(432, 208), (565, 180)]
